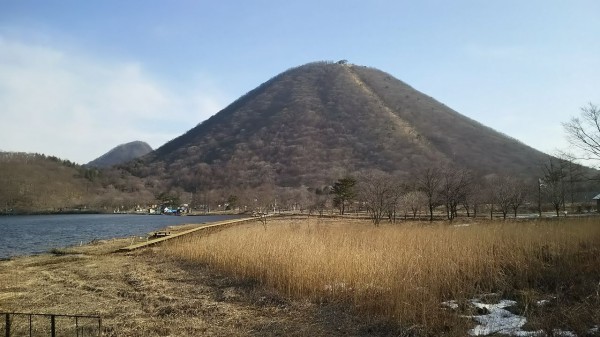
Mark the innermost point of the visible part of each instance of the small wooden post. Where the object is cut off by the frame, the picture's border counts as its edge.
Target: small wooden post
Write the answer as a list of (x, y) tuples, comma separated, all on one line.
[(52, 326), (7, 324)]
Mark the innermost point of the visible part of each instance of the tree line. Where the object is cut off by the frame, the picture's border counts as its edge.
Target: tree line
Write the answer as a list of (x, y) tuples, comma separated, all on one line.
[(447, 190)]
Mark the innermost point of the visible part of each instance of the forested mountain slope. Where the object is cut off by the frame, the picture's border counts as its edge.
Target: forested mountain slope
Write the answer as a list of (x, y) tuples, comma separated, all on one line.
[(39, 183), (315, 123)]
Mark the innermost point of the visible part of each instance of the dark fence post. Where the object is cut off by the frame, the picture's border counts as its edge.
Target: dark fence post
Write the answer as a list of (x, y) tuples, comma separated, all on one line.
[(79, 329), (7, 324), (52, 326)]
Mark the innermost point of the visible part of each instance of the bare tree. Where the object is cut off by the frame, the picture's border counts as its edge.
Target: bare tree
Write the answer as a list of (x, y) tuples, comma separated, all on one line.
[(473, 198), (502, 189), (395, 199), (455, 186), (553, 183), (574, 175), (583, 132), (263, 199), (429, 181), (507, 193), (414, 201), (378, 193), (518, 194)]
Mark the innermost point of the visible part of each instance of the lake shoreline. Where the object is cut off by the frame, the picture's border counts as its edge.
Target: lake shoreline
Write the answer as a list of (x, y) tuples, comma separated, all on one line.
[(75, 211), (36, 234)]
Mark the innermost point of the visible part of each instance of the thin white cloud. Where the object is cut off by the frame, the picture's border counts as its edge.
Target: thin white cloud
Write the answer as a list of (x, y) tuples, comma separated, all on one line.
[(59, 103)]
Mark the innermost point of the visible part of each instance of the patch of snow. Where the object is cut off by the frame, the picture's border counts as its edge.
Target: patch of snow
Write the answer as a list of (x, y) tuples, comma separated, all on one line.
[(501, 305), (452, 304), (463, 225), (563, 333), (500, 320), (541, 303)]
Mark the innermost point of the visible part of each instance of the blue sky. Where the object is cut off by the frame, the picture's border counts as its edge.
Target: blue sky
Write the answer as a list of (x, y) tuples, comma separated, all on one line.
[(80, 77)]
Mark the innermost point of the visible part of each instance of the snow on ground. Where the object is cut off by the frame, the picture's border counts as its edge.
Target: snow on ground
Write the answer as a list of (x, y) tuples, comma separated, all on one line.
[(451, 304), (542, 303), (499, 320), (562, 333)]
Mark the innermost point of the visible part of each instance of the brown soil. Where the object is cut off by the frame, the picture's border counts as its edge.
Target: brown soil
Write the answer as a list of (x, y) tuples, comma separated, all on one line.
[(144, 293)]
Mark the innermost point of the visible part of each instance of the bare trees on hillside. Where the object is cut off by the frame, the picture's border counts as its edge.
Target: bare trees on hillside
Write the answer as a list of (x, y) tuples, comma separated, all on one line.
[(38, 183)]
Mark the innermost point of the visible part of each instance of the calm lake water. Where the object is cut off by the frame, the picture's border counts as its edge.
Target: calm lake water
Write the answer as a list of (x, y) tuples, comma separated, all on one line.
[(32, 234)]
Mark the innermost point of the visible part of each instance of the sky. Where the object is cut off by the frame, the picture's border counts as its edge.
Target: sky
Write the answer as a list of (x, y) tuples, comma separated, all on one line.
[(78, 78)]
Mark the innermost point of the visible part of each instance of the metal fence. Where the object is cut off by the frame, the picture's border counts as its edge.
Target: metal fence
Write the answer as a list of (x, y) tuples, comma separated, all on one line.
[(49, 325)]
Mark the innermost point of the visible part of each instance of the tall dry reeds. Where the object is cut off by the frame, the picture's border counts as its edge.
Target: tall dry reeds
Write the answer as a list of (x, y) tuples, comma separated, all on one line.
[(403, 272)]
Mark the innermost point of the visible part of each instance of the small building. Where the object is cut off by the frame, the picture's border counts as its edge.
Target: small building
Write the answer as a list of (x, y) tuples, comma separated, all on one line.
[(597, 198)]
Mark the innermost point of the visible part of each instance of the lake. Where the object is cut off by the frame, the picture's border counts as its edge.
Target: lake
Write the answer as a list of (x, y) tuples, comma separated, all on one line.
[(33, 234)]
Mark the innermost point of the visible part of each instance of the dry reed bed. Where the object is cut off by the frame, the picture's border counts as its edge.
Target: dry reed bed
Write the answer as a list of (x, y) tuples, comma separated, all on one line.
[(403, 272)]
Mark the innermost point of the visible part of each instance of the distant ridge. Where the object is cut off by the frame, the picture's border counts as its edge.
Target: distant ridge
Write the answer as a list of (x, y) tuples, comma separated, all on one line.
[(121, 154), (315, 123)]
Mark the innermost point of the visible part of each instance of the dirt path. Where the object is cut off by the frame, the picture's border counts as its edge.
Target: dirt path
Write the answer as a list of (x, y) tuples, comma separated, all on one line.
[(143, 293)]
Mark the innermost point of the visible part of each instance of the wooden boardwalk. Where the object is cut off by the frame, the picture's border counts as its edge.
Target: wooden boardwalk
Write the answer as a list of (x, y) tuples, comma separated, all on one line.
[(180, 234)]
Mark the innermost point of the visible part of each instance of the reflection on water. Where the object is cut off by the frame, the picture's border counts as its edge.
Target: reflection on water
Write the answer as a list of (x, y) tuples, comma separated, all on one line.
[(31, 234)]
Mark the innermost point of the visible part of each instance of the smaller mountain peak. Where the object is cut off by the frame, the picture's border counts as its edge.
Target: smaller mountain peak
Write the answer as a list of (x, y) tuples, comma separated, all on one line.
[(122, 154)]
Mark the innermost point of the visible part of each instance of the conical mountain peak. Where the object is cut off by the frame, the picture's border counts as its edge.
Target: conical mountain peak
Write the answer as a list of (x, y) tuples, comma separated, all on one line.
[(314, 123)]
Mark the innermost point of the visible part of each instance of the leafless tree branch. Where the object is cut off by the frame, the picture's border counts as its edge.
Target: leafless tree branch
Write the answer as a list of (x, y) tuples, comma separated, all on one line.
[(584, 132)]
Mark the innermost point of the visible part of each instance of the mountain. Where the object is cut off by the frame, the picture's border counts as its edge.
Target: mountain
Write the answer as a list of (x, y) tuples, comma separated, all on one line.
[(315, 123), (39, 183), (121, 154)]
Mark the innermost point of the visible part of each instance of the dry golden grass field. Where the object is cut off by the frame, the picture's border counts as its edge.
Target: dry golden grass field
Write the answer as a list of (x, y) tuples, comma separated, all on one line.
[(403, 272), (321, 277), (149, 293)]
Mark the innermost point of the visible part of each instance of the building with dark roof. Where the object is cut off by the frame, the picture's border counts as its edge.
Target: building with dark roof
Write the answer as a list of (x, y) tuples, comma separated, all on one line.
[(597, 198)]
